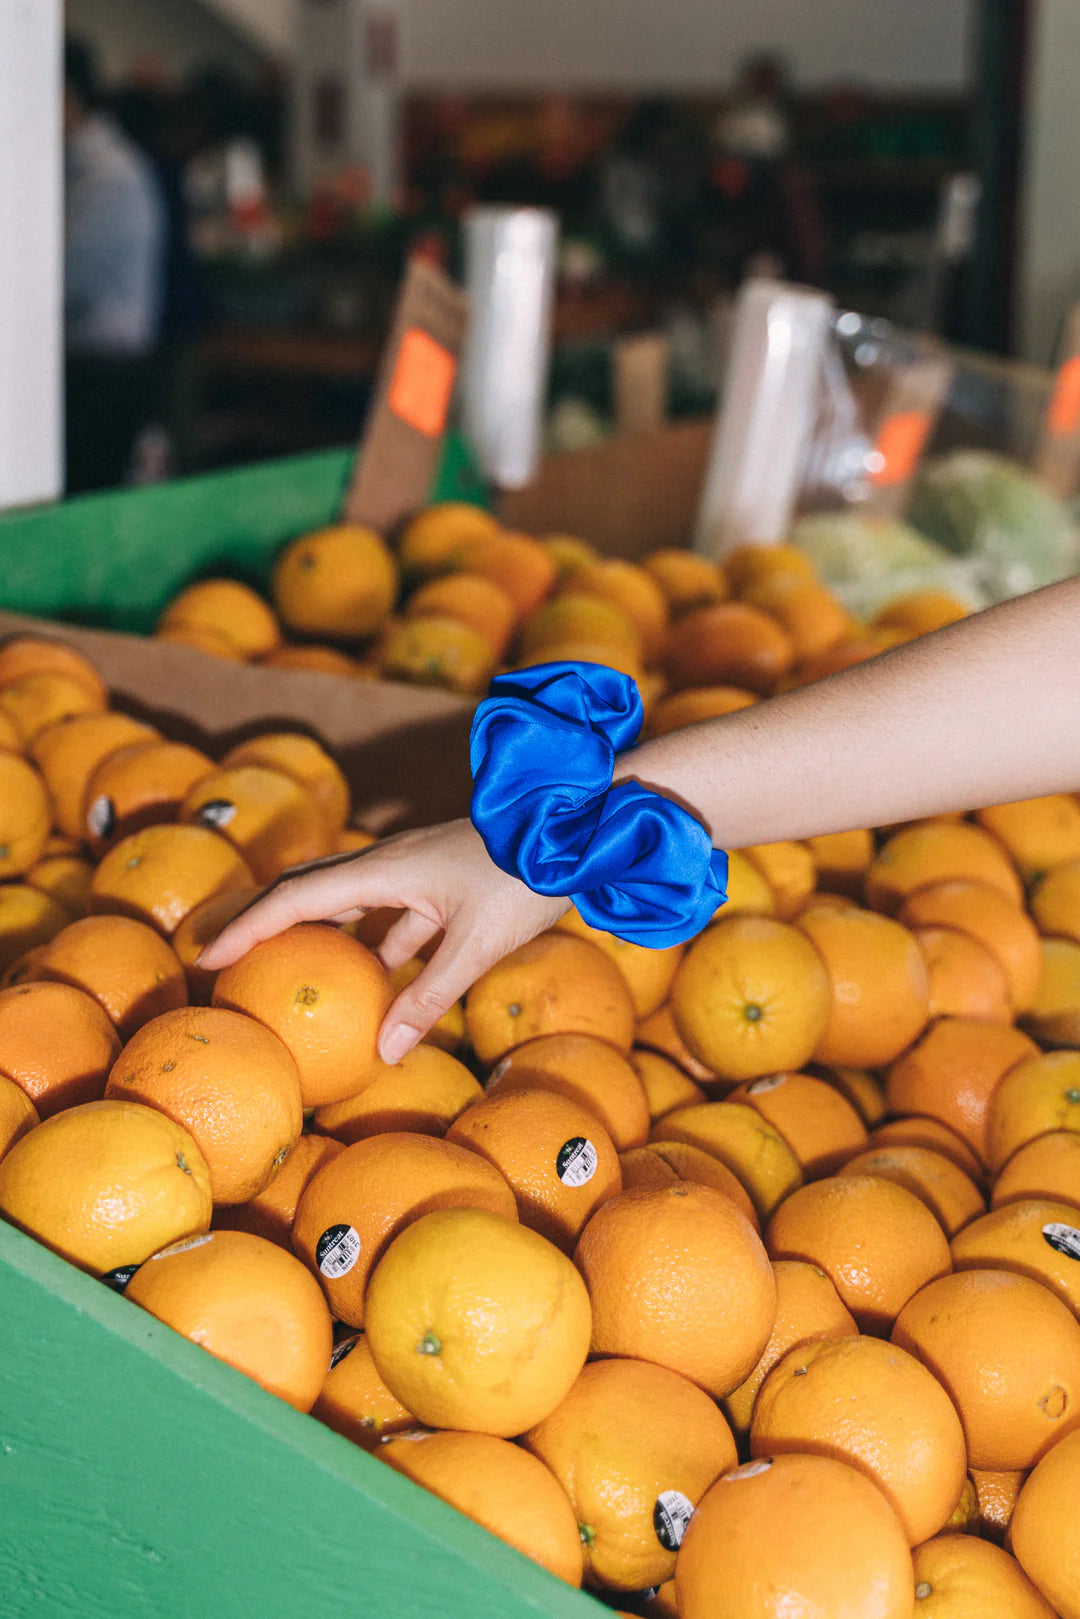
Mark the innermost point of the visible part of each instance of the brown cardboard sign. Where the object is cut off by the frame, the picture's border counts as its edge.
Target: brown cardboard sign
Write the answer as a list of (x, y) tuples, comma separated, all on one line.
[(1057, 455), (402, 441), (641, 383), (903, 426)]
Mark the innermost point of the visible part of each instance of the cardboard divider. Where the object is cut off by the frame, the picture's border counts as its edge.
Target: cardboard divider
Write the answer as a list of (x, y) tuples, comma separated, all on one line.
[(403, 748)]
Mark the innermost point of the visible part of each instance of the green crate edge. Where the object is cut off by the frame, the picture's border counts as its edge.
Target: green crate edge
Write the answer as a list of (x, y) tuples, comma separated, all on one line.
[(140, 1478), (113, 560)]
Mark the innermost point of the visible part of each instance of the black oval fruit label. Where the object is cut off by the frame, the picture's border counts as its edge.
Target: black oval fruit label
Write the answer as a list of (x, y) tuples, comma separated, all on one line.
[(342, 1349), (576, 1161), (119, 1278), (216, 812), (101, 817), (1065, 1238), (337, 1251), (671, 1516)]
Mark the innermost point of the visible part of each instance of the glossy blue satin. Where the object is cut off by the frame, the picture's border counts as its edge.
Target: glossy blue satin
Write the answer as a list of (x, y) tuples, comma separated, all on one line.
[(543, 749)]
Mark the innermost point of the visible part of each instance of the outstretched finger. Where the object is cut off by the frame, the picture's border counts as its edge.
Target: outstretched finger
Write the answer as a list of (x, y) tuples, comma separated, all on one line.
[(453, 969), (316, 894), (405, 938)]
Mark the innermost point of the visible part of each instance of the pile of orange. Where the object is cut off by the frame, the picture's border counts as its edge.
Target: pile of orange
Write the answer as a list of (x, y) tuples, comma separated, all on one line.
[(740, 1278)]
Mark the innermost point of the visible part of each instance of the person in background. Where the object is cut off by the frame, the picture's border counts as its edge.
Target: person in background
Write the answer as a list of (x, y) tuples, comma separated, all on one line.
[(114, 260)]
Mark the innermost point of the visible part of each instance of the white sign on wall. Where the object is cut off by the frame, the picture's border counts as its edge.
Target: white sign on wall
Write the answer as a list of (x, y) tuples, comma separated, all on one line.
[(346, 92)]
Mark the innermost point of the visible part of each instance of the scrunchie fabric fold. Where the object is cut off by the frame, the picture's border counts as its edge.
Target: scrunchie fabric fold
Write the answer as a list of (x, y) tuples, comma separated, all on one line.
[(543, 749)]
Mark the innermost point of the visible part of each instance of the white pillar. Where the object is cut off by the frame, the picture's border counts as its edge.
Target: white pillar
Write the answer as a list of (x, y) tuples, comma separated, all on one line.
[(1049, 228), (31, 252), (346, 92)]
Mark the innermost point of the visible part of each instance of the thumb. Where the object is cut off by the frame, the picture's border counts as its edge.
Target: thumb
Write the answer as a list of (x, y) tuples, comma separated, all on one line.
[(452, 969)]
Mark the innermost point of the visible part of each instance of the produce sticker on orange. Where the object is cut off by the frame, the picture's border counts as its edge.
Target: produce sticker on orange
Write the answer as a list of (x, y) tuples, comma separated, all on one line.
[(1064, 414), (900, 442), (422, 382)]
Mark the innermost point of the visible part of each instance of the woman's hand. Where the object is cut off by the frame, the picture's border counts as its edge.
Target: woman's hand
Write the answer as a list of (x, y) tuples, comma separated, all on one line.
[(441, 879)]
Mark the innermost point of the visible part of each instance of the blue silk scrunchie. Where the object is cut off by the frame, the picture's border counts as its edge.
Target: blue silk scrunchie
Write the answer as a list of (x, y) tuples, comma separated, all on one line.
[(543, 749)]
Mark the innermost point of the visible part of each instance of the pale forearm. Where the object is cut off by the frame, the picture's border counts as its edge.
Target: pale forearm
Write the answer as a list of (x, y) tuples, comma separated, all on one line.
[(983, 712)]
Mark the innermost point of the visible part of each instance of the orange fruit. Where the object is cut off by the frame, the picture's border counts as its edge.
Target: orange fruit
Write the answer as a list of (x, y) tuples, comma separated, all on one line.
[(953, 1071), (65, 878), (659, 1033), (748, 564), (649, 974), (321, 660), (434, 534), (201, 638), (36, 701), (938, 852), (878, 1243), (788, 868), (679, 1277), (635, 1447), (632, 589), (1034, 1098), (351, 840), (751, 997), (160, 874), (228, 1081), (25, 815), (879, 995), (959, 1577), (500, 1487), (1043, 1532), (685, 578), (586, 1070), (28, 919), (476, 601), (822, 1129), (354, 1400), (661, 1163), (555, 984), (356, 1204), (138, 785), (813, 617), (599, 652), (105, 1184), (271, 1212), (748, 892), (558, 1162), (301, 757), (1055, 901), (567, 552), (126, 966), (665, 1085), (267, 816), (68, 753), (986, 915), (438, 652), (516, 562), (1054, 1015), (1035, 1237), (921, 611), (995, 1496), (1007, 1352), (198, 929), (951, 1196), (17, 1114), (842, 859), (861, 1089), (745, 1142), (1047, 1167), (10, 739), (476, 1322), (875, 1407), (21, 969), (808, 1309), (424, 1092), (249, 1303), (730, 644), (963, 977), (56, 1043), (579, 617), (794, 1535), (1039, 833), (915, 1131), (321, 993), (228, 609), (24, 655), (338, 583), (697, 703)]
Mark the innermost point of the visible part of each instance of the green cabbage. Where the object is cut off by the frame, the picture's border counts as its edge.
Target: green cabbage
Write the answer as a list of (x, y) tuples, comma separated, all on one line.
[(867, 561)]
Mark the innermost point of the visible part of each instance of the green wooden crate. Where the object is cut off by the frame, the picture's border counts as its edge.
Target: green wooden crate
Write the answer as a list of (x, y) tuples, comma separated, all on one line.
[(115, 559), (139, 1477)]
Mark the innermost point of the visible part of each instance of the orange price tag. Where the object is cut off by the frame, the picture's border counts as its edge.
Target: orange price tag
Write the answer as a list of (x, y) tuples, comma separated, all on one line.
[(900, 443), (1064, 413), (422, 383)]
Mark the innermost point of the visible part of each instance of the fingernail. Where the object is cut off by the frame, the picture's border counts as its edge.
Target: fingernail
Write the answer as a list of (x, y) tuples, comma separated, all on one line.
[(396, 1042)]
